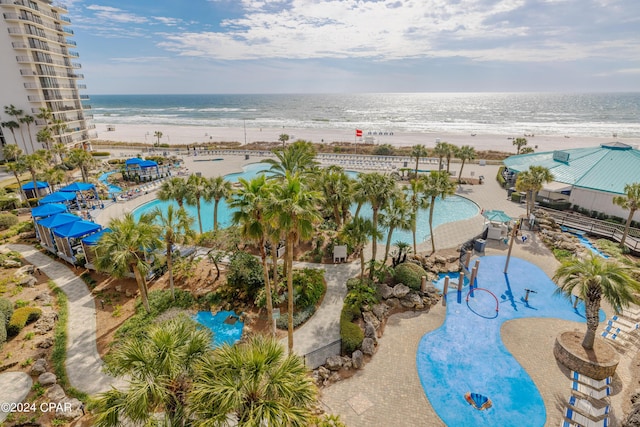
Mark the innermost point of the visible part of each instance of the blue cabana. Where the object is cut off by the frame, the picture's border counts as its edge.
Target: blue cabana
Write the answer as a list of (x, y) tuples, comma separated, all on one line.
[(133, 161), (58, 197), (48, 210), (66, 235), (95, 237), (89, 247), (43, 188), (44, 227), (142, 167), (80, 188)]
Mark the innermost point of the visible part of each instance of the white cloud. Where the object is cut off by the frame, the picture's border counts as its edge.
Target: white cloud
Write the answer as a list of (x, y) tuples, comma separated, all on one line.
[(114, 14)]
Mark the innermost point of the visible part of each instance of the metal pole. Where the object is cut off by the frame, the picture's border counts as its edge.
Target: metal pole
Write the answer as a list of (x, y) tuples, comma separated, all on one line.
[(513, 237)]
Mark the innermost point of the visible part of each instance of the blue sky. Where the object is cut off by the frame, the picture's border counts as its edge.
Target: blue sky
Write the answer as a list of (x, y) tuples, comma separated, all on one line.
[(347, 46)]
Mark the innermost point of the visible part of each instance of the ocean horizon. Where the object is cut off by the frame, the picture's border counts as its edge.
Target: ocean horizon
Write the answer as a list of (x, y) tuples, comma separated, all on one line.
[(597, 114)]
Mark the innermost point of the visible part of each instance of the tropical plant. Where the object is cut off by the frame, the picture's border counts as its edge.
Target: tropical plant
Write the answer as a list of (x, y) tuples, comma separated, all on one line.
[(17, 113), (337, 190), (217, 189), (631, 202), (397, 213), (196, 188), (465, 153), (417, 202), (59, 150), (519, 143), (357, 233), (377, 189), (592, 279), (45, 137), (17, 168), (173, 189), (255, 382), (296, 158), (126, 248), (82, 159), (159, 367), (418, 151), (59, 126), (34, 163), (531, 182), (175, 228), (283, 138), (436, 184), (12, 125), (527, 150), (28, 120)]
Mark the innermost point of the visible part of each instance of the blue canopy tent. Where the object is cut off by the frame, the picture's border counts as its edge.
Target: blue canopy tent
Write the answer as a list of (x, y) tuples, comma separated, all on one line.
[(66, 235), (142, 168), (88, 246), (45, 226), (48, 210), (58, 197), (80, 188), (43, 188)]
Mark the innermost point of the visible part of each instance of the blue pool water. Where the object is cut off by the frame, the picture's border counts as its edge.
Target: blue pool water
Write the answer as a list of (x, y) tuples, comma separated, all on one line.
[(452, 208), (113, 189), (466, 353), (223, 333)]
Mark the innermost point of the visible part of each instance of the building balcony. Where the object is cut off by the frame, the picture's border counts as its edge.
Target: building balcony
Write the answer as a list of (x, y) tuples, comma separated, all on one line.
[(65, 19), (70, 42), (19, 45), (67, 31), (83, 97), (17, 17), (74, 54), (34, 99), (81, 87), (87, 107), (28, 72), (31, 86), (76, 65)]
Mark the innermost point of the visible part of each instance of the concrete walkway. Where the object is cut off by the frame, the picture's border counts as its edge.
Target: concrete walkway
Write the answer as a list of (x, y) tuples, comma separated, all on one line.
[(14, 388), (84, 365)]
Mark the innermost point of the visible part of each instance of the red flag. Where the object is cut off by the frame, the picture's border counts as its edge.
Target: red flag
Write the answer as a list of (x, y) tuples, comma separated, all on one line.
[(358, 132)]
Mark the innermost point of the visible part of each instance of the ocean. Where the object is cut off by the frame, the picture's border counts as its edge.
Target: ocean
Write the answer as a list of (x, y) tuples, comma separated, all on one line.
[(571, 114)]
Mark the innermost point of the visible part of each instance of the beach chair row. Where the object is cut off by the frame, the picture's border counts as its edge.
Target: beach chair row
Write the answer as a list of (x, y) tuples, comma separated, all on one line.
[(622, 330), (588, 405)]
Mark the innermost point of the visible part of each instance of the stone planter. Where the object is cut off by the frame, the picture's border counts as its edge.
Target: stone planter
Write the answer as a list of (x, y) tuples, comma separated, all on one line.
[(599, 363)]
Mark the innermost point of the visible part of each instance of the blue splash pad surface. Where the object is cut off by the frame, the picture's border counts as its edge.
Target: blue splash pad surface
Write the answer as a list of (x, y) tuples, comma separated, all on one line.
[(223, 333), (467, 354)]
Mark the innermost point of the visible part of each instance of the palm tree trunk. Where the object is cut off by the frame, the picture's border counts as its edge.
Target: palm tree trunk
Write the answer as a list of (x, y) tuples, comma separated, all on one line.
[(36, 191), (289, 265), (417, 161), (170, 268), (33, 150), (414, 225), (142, 287), (626, 227), (388, 245), (267, 284), (460, 175), (433, 242), (357, 212), (361, 263), (336, 214), (274, 263), (199, 216), (374, 241), (592, 311), (20, 185), (215, 216)]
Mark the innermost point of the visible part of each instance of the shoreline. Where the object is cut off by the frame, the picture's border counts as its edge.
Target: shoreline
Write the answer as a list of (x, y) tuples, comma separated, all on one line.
[(187, 135)]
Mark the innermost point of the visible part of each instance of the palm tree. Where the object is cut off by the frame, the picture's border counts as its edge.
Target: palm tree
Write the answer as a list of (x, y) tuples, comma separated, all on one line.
[(55, 176), (17, 167), (465, 153), (532, 181), (357, 233), (35, 162), (174, 189), (299, 157), (12, 111), (377, 189), (293, 211), (44, 137), (159, 366), (59, 126), (81, 158), (417, 202), (519, 143), (45, 114), (11, 152), (59, 150), (337, 190), (592, 279), (437, 184), (218, 189), (630, 201), (12, 125), (419, 151), (175, 228), (249, 204), (125, 249), (397, 213), (196, 188), (27, 120), (283, 138), (157, 134), (256, 383)]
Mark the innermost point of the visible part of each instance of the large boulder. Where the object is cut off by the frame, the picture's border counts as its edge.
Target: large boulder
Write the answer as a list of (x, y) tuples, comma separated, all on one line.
[(43, 299), (357, 359), (26, 280), (334, 363), (368, 346), (10, 263), (400, 290), (392, 303), (55, 393), (380, 311), (633, 417), (371, 318), (69, 409), (39, 367), (47, 379), (24, 270), (45, 323), (386, 291), (369, 330)]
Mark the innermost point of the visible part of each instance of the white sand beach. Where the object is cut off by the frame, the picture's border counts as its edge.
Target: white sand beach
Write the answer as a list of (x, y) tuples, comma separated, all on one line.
[(174, 135)]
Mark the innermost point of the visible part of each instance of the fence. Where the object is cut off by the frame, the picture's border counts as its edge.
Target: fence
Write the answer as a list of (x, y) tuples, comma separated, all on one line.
[(319, 356)]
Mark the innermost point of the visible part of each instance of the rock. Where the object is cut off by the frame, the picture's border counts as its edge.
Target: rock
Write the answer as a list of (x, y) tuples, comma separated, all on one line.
[(129, 294), (635, 397), (39, 367), (46, 343), (43, 298), (392, 303), (400, 290), (24, 270), (416, 300), (118, 288), (407, 303), (335, 377), (369, 317), (323, 372), (346, 363), (69, 409), (45, 323), (9, 263), (334, 363), (47, 379), (380, 310), (439, 259), (385, 291), (56, 393), (369, 330), (357, 359), (633, 417), (452, 259), (368, 346), (26, 281)]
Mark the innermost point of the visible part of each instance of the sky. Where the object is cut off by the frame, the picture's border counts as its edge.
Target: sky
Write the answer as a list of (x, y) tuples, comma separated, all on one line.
[(356, 46)]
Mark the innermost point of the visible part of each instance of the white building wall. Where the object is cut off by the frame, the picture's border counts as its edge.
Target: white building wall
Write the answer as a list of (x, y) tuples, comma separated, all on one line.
[(599, 201)]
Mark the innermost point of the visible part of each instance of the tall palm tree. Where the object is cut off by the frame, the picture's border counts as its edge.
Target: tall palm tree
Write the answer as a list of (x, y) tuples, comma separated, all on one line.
[(11, 152), (45, 137), (337, 190), (218, 188), (519, 143), (125, 249), (59, 126), (419, 151), (12, 125), (357, 233), (592, 279), (377, 189), (532, 181), (450, 151), (35, 162), (196, 189), (417, 202), (254, 381), (442, 150), (12, 111), (28, 120), (250, 204), (55, 176), (283, 138), (437, 184), (59, 150), (396, 214), (465, 153), (17, 167), (45, 114), (630, 201), (299, 157), (174, 189), (293, 211), (175, 228), (157, 134), (159, 366), (81, 158)]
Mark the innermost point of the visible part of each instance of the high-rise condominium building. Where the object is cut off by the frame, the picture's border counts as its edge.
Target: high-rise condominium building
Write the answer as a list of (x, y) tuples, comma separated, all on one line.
[(39, 92)]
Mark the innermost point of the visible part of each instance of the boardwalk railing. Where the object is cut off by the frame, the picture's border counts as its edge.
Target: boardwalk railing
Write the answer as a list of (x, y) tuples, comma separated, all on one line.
[(319, 356), (596, 227)]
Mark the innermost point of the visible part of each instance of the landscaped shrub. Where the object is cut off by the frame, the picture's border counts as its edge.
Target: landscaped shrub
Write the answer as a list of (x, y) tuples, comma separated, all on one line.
[(20, 318), (500, 178), (7, 220), (350, 333), (363, 293), (308, 286), (245, 273), (6, 311), (409, 274), (298, 318), (516, 197), (100, 153)]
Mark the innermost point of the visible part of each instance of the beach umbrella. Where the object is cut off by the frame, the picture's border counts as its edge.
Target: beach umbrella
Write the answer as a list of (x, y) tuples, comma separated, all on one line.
[(48, 210), (58, 197), (29, 185), (497, 216)]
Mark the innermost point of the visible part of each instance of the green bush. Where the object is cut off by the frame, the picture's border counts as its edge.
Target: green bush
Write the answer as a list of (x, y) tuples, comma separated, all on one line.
[(308, 286), (298, 318), (245, 273), (363, 293), (6, 310), (100, 153), (7, 220), (25, 226), (20, 318), (350, 333), (516, 197), (410, 274), (562, 254), (500, 178)]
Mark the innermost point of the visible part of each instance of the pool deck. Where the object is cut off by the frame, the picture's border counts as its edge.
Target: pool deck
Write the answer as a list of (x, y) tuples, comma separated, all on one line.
[(388, 391)]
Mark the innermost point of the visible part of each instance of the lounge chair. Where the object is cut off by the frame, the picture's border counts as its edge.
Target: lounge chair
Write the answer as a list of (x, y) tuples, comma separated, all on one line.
[(585, 421), (631, 326), (590, 391), (586, 408), (596, 384)]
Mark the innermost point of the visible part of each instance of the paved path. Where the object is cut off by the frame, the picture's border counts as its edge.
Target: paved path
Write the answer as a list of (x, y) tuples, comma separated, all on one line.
[(84, 365), (15, 387)]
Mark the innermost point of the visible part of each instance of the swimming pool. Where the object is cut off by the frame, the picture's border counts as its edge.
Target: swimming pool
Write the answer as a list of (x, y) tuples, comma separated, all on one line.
[(453, 208), (113, 189), (466, 353), (225, 325)]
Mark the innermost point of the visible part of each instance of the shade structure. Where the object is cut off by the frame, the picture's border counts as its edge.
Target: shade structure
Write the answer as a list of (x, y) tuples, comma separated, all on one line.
[(148, 164), (29, 185), (58, 197), (76, 229), (78, 186), (48, 210), (93, 239), (497, 216), (133, 161), (54, 221)]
